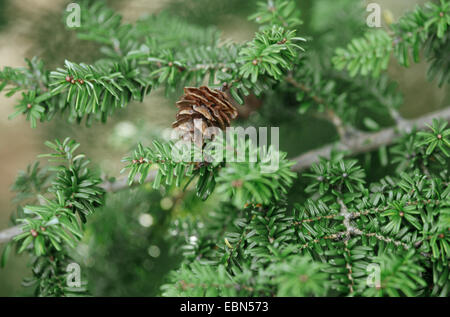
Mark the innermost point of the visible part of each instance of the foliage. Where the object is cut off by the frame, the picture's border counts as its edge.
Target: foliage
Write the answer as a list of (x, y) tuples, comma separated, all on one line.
[(424, 28), (52, 228), (347, 233), (250, 174), (137, 63), (346, 227)]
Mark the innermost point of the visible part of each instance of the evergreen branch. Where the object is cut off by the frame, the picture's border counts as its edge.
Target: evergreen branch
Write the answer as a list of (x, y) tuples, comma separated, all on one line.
[(109, 186), (360, 143), (369, 55), (277, 12), (426, 27), (55, 226), (203, 280), (333, 236), (138, 63), (185, 286), (23, 78), (309, 220), (400, 274), (349, 230), (349, 268), (251, 245), (368, 212), (299, 276), (386, 239), (158, 32)]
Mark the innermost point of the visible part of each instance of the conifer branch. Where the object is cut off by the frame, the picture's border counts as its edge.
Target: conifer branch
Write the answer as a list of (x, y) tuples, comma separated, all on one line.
[(359, 143), (251, 244)]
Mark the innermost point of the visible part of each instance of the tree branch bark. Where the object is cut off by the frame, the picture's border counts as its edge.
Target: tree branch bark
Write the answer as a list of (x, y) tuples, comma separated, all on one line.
[(10, 233), (359, 142)]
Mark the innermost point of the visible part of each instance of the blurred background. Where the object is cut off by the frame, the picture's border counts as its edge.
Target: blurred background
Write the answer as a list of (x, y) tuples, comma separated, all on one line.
[(126, 251)]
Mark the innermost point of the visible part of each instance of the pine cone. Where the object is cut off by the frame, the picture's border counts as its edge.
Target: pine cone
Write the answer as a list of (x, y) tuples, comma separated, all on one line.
[(201, 108)]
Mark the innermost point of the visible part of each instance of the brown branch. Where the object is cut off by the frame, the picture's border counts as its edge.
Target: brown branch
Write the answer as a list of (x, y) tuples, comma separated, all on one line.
[(332, 236), (385, 239)]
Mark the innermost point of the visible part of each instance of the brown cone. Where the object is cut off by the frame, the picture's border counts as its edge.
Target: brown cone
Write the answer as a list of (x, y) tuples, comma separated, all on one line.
[(201, 108)]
